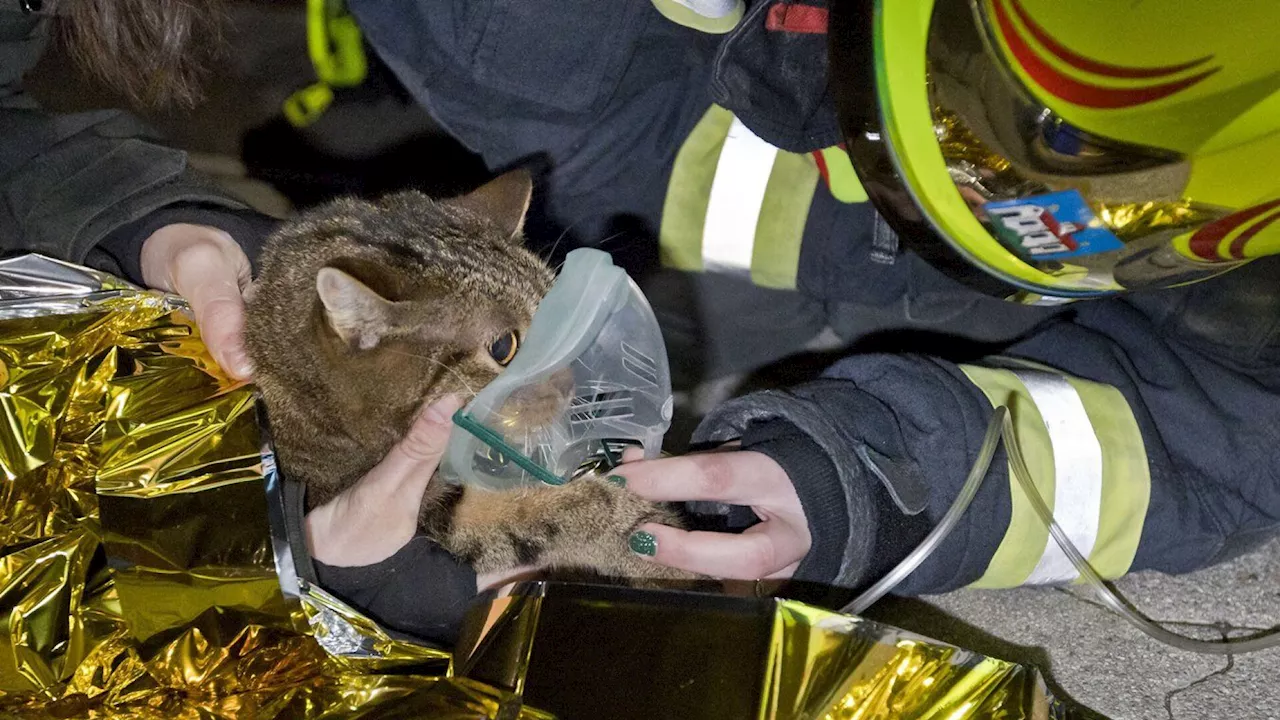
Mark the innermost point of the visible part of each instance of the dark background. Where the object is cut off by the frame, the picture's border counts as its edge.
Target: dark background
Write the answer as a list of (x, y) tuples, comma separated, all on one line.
[(372, 140)]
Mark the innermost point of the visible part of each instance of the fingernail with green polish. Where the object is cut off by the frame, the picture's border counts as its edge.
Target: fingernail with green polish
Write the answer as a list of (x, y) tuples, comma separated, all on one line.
[(617, 480), (643, 543)]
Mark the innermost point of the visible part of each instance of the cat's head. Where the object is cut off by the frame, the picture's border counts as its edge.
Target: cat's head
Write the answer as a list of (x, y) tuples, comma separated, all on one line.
[(395, 303)]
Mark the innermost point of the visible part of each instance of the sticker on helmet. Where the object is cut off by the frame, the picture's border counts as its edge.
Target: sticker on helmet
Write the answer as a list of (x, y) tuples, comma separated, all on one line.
[(1050, 227)]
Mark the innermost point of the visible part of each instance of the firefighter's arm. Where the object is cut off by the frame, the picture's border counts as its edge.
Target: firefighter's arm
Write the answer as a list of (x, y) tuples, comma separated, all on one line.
[(95, 189), (1154, 446), (100, 189), (1156, 434), (92, 187)]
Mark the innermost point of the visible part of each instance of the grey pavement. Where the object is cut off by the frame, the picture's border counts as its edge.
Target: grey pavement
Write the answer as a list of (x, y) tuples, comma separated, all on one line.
[(1101, 663)]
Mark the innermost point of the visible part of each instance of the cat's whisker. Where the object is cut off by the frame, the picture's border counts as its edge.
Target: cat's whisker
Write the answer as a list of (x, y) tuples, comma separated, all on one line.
[(600, 245), (630, 242), (611, 237), (546, 257), (472, 391), (456, 374), (556, 245)]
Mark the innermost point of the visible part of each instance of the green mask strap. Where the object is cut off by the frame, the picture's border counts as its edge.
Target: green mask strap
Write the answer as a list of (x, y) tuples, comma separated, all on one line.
[(495, 441)]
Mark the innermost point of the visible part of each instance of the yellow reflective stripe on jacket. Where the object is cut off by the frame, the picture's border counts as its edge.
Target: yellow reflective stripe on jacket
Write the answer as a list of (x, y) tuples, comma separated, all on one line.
[(1087, 458), (715, 17), (685, 208), (841, 178), (736, 204), (780, 227), (1024, 540)]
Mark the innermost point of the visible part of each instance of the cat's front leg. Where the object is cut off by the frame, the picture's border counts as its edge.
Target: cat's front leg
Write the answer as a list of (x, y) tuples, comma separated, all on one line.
[(584, 524)]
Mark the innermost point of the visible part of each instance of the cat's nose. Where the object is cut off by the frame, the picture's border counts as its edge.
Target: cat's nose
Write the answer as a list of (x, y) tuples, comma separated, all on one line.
[(562, 382), (540, 404)]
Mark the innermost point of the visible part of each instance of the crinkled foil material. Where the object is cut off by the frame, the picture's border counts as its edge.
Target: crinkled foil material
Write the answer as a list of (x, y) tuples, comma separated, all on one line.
[(960, 145), (138, 567), (973, 165), (646, 654), (145, 573), (1130, 221)]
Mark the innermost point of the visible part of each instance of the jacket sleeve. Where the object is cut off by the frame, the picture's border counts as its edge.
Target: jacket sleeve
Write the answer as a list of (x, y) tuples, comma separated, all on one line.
[(90, 187), (392, 591), (1149, 425)]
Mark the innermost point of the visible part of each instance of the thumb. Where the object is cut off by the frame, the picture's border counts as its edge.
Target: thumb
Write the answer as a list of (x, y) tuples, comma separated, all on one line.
[(219, 313), (208, 269), (414, 459), (370, 521)]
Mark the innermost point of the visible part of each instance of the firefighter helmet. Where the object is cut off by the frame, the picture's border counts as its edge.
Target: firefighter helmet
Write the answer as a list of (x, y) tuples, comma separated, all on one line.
[(1066, 149)]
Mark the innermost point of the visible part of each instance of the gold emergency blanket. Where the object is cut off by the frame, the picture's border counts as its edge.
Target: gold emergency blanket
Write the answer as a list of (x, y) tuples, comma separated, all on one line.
[(144, 573)]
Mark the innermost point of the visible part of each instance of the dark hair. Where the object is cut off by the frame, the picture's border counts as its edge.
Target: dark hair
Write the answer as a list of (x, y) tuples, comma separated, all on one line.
[(154, 52)]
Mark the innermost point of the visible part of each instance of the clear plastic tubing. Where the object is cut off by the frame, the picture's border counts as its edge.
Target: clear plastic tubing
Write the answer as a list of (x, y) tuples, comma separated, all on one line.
[(1001, 426)]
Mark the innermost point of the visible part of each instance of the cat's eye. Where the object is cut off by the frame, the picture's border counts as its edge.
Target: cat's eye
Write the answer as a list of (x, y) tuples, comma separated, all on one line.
[(503, 350)]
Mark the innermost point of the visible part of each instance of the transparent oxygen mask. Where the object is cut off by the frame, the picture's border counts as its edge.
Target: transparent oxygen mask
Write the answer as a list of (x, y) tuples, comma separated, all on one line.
[(590, 379)]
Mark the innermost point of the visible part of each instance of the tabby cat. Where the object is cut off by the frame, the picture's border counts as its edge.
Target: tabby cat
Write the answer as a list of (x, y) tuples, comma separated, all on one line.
[(362, 311)]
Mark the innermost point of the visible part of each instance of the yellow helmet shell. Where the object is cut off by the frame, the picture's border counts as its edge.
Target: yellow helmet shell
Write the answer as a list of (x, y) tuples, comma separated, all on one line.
[(1068, 149)]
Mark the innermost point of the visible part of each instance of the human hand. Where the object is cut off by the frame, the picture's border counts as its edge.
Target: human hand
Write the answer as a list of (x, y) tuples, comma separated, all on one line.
[(370, 521), (204, 265), (771, 549)]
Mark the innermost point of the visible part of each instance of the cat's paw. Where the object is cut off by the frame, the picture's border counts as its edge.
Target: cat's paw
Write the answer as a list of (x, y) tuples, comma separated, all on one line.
[(584, 525), (603, 516)]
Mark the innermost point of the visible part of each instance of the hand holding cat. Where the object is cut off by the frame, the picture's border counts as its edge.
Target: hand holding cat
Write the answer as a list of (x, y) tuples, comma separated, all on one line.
[(370, 521), (206, 266), (771, 549)]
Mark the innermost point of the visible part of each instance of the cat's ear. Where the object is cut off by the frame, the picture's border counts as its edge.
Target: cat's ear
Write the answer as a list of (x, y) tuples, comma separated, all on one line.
[(359, 315), (504, 200)]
